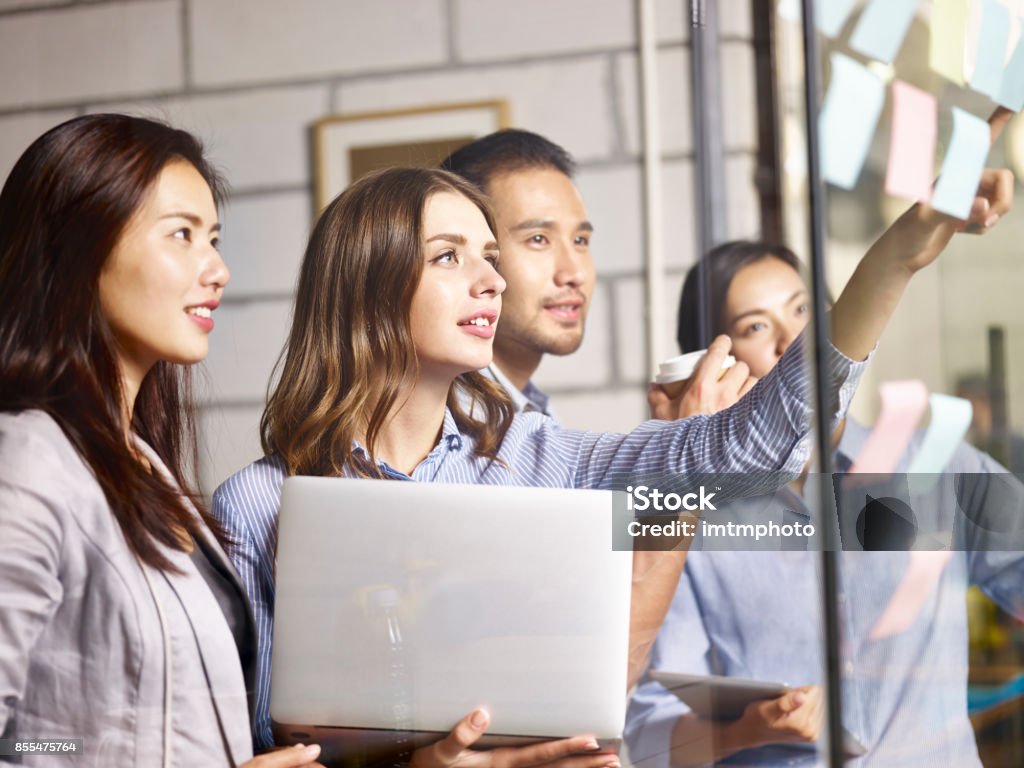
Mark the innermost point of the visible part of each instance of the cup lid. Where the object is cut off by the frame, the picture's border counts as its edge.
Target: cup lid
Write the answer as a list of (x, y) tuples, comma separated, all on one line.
[(682, 367)]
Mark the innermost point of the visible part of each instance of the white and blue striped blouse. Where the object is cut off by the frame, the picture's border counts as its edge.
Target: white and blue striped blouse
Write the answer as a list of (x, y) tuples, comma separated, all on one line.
[(762, 435)]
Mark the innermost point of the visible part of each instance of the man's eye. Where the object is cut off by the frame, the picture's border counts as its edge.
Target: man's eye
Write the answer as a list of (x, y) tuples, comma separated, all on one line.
[(538, 240), (582, 240), (215, 242)]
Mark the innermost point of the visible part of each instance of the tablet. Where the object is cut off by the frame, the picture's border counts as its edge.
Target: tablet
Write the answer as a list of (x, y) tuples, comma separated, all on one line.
[(715, 697)]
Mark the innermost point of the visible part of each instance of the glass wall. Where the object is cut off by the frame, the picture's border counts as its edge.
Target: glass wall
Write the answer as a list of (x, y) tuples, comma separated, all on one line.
[(927, 633)]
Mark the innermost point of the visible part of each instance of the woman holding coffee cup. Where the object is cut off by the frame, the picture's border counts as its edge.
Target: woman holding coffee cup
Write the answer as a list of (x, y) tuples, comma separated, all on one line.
[(766, 603)]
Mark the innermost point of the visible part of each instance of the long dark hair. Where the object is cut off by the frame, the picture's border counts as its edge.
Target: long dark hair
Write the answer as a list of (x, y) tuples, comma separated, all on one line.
[(63, 208), (723, 262), (351, 323)]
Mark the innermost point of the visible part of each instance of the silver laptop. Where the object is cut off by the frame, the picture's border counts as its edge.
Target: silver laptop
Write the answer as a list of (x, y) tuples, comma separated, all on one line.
[(402, 606)]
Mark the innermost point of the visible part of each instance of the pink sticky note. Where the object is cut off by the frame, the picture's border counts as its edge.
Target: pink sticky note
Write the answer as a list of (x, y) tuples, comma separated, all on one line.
[(912, 147), (903, 404), (923, 572)]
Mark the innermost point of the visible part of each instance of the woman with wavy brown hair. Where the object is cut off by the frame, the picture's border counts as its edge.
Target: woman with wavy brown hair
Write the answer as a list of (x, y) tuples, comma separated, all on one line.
[(398, 298), (122, 623)]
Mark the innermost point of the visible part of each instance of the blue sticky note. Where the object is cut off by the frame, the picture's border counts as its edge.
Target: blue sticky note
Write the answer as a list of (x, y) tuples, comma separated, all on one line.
[(1011, 90), (829, 15), (992, 39), (848, 120), (951, 416), (882, 27), (965, 160)]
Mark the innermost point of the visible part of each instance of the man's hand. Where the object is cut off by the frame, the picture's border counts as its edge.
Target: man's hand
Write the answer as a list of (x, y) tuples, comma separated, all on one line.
[(707, 391), (453, 751), (796, 716)]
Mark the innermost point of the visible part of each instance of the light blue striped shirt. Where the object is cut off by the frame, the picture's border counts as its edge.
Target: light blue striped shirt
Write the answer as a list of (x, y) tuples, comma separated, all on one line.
[(764, 433), (758, 614)]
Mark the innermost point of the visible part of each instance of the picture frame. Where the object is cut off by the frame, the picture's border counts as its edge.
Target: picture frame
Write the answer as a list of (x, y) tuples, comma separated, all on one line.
[(346, 147)]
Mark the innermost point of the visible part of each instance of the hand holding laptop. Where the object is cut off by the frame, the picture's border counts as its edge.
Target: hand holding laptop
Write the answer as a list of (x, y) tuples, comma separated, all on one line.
[(454, 751)]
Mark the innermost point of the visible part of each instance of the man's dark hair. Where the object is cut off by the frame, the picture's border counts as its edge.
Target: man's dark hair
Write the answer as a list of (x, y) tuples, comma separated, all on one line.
[(505, 151)]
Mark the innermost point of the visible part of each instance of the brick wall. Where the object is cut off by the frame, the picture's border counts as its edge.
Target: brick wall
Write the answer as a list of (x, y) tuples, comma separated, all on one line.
[(251, 76)]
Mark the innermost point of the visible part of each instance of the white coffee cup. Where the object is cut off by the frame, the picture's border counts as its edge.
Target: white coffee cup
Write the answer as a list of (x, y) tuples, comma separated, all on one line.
[(676, 371)]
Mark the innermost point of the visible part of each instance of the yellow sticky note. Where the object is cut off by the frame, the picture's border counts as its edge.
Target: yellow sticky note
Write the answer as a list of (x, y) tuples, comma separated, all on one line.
[(949, 28)]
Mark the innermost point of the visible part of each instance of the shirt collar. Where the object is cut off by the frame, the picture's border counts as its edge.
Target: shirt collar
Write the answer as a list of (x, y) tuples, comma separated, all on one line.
[(530, 398), (451, 440)]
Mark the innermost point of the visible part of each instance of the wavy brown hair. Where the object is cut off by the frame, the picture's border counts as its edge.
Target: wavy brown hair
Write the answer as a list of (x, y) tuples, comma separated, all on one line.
[(350, 352), (63, 208)]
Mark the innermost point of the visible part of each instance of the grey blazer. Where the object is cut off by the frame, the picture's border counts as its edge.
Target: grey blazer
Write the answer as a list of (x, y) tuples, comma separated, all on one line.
[(85, 629)]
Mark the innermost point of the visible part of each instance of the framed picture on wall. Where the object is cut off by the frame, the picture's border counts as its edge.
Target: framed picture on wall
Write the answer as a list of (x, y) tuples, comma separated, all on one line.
[(345, 147)]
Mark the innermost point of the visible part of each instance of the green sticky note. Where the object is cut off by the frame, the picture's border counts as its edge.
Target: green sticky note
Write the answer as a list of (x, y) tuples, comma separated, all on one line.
[(948, 27)]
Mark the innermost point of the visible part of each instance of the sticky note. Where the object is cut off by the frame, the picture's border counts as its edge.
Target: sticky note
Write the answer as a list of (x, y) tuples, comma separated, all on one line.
[(882, 27), (829, 15), (924, 570), (948, 27), (789, 10), (992, 38), (951, 417), (848, 120), (965, 160), (1011, 90), (912, 143), (903, 403)]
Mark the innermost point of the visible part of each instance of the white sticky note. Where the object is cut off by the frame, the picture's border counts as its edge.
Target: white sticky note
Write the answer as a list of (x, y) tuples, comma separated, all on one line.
[(789, 10), (829, 15), (1011, 89), (848, 120), (965, 160), (951, 417), (992, 38), (882, 27)]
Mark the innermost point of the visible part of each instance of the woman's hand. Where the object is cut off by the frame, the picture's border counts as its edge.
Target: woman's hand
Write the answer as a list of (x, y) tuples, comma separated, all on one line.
[(913, 242), (453, 751), (289, 757), (917, 238)]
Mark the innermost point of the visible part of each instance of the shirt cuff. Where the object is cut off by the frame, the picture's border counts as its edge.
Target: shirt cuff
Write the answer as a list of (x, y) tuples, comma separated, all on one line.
[(843, 375)]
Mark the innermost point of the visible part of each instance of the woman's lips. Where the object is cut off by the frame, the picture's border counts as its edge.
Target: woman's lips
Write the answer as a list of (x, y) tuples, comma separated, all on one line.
[(201, 315), (481, 324)]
